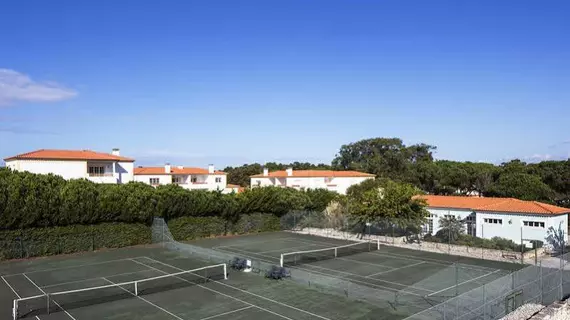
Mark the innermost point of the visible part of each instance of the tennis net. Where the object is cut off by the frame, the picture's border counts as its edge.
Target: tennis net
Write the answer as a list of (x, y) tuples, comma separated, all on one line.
[(51, 302), (308, 256)]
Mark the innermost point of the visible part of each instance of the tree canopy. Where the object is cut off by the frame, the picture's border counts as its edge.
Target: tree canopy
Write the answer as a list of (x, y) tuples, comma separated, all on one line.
[(547, 181)]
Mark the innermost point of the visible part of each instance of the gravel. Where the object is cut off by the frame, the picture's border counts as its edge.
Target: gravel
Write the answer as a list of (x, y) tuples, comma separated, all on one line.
[(524, 312)]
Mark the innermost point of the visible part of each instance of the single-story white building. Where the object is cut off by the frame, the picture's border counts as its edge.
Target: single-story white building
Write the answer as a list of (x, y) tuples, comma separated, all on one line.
[(497, 217), (337, 181), (186, 177), (76, 164)]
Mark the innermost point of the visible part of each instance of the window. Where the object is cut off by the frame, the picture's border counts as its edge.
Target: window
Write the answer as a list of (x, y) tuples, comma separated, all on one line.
[(428, 227), (96, 171), (177, 180), (493, 221), (218, 180), (154, 181), (194, 179), (449, 216), (535, 224)]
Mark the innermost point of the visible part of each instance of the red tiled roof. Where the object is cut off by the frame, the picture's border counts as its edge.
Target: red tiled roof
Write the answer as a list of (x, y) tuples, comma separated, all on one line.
[(235, 186), (174, 170), (314, 174), (493, 204), (46, 154)]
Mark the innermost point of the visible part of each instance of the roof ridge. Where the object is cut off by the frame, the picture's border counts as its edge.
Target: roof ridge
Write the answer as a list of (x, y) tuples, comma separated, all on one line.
[(503, 200), (542, 205)]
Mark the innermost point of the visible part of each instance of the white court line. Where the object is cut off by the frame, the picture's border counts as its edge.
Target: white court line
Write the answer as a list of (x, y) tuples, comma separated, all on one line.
[(229, 312), (368, 263), (70, 267), (414, 258), (145, 300), (382, 272), (430, 260), (453, 286), (250, 293), (250, 242), (96, 278), (354, 280), (57, 304), (282, 250), (209, 289), (13, 290)]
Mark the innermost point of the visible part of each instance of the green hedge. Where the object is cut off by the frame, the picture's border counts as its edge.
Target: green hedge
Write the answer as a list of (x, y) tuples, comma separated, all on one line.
[(30, 200), (34, 242), (189, 228), (496, 243)]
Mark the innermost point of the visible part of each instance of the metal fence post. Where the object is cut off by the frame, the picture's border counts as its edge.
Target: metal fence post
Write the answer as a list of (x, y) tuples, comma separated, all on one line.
[(561, 293), (541, 284), (484, 303)]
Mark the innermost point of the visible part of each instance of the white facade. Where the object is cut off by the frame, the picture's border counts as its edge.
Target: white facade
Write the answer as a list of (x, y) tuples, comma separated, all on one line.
[(106, 172), (338, 181), (488, 224), (187, 178)]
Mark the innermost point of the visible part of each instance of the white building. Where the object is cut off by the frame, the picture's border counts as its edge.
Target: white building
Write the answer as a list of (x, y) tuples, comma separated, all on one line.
[(498, 217), (337, 181), (76, 164), (186, 177)]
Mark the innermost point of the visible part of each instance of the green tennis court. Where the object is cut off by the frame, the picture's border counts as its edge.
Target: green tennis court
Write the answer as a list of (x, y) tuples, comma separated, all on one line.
[(165, 290), (407, 280)]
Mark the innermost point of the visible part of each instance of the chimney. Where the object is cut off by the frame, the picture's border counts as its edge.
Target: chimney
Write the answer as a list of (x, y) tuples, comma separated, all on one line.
[(167, 168), (265, 172), (289, 171), (116, 152), (211, 169)]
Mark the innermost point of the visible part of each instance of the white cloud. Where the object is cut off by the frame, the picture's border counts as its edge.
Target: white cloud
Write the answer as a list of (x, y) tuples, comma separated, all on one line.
[(15, 86)]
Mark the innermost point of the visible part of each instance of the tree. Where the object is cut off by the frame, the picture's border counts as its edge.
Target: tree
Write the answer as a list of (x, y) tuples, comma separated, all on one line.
[(383, 200), (384, 157), (241, 175), (521, 186), (555, 237), (450, 229)]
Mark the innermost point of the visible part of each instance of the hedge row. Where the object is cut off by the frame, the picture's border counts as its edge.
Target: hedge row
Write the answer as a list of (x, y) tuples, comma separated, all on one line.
[(35, 200), (496, 243), (189, 228), (35, 242)]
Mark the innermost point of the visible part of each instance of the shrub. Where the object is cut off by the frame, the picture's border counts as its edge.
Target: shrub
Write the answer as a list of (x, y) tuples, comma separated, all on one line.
[(189, 228), (35, 242)]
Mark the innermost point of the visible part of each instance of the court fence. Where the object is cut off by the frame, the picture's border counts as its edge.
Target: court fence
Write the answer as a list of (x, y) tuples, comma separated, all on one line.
[(339, 225), (404, 300), (545, 283)]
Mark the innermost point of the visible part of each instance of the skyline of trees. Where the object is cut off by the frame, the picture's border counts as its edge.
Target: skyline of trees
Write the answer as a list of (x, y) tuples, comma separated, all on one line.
[(547, 181)]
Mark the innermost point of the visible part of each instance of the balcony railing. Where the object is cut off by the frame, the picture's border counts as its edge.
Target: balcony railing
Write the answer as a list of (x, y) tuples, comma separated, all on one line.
[(106, 174)]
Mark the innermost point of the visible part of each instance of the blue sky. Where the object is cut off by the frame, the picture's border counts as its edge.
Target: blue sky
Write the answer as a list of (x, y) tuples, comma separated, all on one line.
[(230, 82)]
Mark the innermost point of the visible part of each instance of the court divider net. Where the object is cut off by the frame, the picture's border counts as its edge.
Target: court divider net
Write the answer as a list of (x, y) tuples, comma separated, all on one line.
[(307, 256), (50, 302)]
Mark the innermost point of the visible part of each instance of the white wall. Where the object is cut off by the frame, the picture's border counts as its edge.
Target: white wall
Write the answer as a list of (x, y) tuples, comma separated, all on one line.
[(66, 169), (338, 184), (76, 169), (203, 181), (125, 171), (511, 225), (145, 178)]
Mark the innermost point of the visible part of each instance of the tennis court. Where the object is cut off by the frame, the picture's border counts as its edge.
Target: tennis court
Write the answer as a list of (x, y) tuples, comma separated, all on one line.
[(429, 277), (168, 286)]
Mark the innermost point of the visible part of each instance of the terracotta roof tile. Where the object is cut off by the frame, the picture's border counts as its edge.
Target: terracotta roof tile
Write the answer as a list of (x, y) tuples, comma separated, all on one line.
[(493, 204), (47, 154), (174, 170), (314, 174)]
